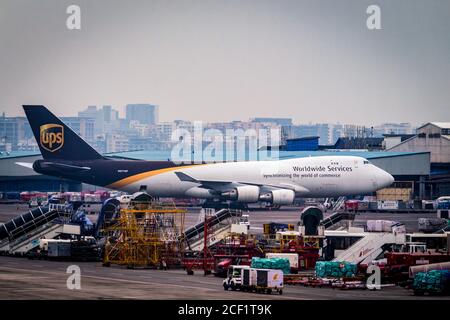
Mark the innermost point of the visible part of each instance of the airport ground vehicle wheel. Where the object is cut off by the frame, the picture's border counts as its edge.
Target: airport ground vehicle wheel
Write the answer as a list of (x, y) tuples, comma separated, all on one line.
[(225, 287), (233, 287), (269, 291), (106, 264), (190, 272), (280, 292)]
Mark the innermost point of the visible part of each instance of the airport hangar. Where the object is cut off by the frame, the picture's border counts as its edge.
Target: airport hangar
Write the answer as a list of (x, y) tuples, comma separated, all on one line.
[(404, 166)]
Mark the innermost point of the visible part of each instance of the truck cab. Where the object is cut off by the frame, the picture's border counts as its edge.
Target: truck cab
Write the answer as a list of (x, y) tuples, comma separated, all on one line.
[(234, 278), (245, 221), (414, 247)]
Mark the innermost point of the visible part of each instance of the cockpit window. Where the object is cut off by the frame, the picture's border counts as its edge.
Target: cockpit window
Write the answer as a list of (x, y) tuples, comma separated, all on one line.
[(366, 162)]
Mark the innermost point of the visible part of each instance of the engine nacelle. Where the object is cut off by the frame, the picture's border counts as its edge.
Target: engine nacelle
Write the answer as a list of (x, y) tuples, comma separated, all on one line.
[(197, 192), (243, 194), (279, 197)]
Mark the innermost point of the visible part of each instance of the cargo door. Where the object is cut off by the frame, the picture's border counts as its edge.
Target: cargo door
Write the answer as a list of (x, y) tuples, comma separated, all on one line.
[(261, 278), (246, 277)]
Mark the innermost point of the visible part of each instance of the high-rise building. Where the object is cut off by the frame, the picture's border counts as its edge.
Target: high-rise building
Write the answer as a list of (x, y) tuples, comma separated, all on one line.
[(84, 127), (90, 112), (142, 112), (13, 131), (116, 143), (106, 118)]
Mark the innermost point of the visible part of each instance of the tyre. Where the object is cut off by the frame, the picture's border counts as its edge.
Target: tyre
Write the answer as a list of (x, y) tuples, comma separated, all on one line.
[(280, 292)]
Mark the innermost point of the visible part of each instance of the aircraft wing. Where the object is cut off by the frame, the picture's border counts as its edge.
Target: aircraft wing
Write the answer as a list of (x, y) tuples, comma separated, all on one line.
[(227, 185), (25, 164)]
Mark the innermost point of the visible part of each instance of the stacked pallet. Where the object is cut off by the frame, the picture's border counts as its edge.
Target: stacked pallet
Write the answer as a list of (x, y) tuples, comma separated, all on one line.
[(335, 269), (434, 281), (272, 263)]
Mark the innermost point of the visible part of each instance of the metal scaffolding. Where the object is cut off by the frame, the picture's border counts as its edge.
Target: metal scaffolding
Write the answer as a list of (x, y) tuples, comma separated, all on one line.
[(145, 234)]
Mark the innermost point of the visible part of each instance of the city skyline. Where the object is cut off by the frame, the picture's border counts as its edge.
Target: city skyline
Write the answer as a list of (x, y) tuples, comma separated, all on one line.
[(140, 130), (313, 61), (122, 115)]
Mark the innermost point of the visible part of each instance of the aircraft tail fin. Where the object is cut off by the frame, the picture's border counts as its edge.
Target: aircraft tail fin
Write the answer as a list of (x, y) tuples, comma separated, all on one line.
[(55, 139)]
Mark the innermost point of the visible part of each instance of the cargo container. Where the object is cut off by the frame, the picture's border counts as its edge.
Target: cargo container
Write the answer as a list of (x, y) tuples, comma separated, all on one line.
[(274, 227), (381, 225), (239, 229), (351, 205), (363, 205), (388, 205), (262, 280), (292, 257)]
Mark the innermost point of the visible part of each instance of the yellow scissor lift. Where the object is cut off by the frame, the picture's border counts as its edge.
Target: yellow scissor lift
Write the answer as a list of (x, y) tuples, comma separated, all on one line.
[(145, 234)]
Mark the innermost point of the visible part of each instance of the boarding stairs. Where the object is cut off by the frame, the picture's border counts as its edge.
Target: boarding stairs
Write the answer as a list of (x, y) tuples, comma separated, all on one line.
[(338, 204), (369, 247), (219, 227), (22, 233), (335, 218)]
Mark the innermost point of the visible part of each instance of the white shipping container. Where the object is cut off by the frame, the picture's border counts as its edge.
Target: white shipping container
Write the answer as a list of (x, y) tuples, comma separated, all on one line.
[(71, 229), (380, 225), (239, 228), (388, 205)]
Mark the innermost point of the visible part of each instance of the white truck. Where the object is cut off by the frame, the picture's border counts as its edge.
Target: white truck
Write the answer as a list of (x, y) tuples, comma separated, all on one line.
[(262, 280), (234, 280), (245, 221)]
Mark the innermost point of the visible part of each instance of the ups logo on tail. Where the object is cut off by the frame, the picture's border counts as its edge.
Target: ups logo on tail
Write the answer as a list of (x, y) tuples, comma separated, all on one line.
[(51, 137)]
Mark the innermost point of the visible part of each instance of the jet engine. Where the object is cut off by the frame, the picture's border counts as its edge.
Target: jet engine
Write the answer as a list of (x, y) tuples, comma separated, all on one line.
[(243, 194), (279, 197)]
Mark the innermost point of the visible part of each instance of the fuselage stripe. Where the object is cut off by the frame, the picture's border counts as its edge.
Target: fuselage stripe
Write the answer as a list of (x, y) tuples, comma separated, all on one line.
[(140, 176)]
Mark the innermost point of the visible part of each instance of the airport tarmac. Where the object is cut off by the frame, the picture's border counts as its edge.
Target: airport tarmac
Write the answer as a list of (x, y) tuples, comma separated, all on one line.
[(41, 279), (22, 278), (258, 217)]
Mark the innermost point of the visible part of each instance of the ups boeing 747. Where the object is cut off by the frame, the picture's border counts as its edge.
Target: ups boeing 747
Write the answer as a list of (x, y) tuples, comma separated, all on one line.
[(68, 156)]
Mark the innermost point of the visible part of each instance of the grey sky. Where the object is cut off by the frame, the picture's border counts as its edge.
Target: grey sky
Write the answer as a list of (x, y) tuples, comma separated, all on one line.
[(314, 61)]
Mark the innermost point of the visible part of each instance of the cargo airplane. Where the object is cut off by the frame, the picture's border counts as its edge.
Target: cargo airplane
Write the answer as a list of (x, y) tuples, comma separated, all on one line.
[(279, 182)]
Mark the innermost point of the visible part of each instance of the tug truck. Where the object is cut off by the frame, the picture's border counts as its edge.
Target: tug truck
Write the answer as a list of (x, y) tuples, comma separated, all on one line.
[(234, 277), (262, 280)]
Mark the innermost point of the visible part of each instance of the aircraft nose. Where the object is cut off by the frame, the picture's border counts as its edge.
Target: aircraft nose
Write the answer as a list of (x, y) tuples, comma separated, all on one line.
[(386, 179)]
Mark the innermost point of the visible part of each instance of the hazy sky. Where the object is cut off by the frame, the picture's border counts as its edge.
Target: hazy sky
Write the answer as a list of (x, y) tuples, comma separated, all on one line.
[(211, 60)]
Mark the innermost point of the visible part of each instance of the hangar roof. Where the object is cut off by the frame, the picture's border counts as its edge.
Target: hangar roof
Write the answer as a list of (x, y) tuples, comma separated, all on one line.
[(442, 125), (16, 154)]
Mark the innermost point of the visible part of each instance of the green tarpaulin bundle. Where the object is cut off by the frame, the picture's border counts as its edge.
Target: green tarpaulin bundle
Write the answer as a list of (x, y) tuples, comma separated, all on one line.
[(433, 281), (335, 269), (272, 263)]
